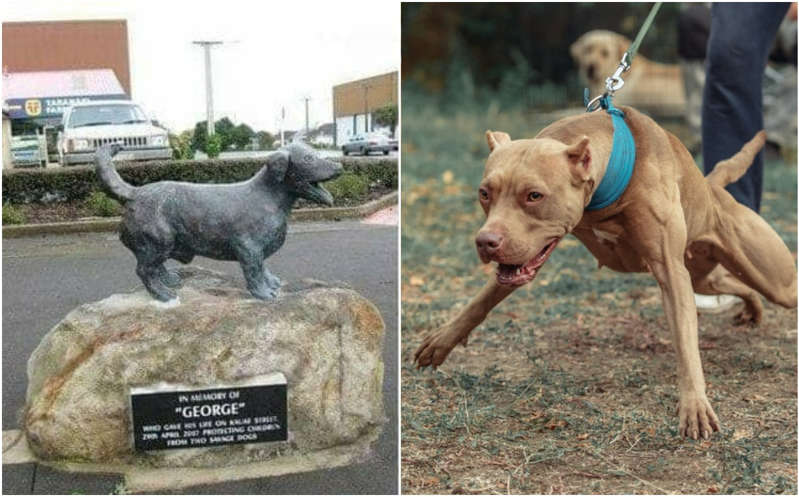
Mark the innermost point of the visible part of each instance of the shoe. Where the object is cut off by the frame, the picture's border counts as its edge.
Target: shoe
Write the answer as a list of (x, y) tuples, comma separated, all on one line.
[(714, 304)]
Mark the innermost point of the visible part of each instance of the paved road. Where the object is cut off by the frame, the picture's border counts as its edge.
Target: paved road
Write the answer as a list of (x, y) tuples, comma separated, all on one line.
[(46, 277)]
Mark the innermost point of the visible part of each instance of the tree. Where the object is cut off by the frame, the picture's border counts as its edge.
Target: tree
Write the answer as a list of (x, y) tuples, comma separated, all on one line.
[(224, 128), (182, 145), (386, 116), (228, 135), (265, 140), (200, 138), (214, 146), (241, 135)]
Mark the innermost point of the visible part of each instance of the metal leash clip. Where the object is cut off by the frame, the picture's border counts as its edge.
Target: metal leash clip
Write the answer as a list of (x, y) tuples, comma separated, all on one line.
[(615, 83), (612, 84), (595, 103)]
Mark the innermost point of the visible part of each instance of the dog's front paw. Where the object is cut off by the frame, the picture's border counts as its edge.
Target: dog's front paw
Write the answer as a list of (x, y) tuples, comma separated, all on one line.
[(273, 281), (436, 347), (696, 417), (264, 292), (170, 279)]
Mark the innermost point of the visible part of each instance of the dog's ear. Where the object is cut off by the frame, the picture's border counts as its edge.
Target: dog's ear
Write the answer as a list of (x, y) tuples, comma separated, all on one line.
[(277, 164), (496, 138), (576, 47), (579, 156)]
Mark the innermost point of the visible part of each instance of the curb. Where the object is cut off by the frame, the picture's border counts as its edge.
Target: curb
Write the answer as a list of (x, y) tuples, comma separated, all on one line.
[(111, 224)]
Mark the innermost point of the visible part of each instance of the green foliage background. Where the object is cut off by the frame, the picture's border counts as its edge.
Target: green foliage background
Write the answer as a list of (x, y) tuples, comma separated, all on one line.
[(25, 186)]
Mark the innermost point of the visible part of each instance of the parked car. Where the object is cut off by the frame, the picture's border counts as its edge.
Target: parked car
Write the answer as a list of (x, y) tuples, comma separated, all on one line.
[(89, 125), (26, 151), (367, 143), (394, 143)]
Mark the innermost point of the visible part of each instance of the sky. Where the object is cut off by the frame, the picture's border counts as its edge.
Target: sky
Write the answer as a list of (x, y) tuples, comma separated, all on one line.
[(277, 53)]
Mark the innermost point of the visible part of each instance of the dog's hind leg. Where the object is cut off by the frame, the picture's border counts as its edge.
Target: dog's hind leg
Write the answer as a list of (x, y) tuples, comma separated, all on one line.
[(708, 277), (753, 252), (721, 282)]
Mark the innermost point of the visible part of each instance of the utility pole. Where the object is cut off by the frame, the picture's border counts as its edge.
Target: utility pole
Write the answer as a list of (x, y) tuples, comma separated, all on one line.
[(282, 125), (306, 113), (366, 87), (209, 91), (335, 124)]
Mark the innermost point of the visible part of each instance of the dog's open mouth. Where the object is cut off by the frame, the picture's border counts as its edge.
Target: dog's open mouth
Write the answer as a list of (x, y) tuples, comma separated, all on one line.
[(317, 193), (520, 274)]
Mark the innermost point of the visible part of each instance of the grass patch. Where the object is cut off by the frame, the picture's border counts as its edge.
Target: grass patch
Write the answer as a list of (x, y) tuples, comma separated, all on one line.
[(348, 187), (100, 204), (12, 214), (569, 386)]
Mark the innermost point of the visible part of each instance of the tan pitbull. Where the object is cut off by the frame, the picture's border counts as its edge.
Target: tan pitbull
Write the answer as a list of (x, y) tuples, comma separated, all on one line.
[(683, 228)]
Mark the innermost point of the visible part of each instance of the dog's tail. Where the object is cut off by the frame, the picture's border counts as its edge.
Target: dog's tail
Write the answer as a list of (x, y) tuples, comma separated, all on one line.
[(730, 170), (109, 177)]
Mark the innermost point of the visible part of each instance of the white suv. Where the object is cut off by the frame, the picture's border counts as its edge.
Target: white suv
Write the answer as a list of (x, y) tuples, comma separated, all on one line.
[(89, 125)]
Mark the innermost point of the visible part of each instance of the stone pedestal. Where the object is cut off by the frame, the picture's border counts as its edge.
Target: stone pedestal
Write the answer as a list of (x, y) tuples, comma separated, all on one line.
[(327, 341)]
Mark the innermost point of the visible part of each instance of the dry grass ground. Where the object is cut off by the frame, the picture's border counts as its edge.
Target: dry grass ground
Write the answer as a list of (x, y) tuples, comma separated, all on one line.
[(570, 384)]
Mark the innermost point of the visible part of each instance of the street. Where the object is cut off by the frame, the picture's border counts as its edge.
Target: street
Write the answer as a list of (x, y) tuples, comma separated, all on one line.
[(46, 277)]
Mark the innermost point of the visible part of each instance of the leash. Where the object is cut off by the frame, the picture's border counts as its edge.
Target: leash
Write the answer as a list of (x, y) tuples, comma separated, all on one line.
[(615, 82), (622, 156)]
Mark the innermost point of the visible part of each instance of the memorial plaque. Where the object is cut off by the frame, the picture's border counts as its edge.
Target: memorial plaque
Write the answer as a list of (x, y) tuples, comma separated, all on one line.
[(179, 417)]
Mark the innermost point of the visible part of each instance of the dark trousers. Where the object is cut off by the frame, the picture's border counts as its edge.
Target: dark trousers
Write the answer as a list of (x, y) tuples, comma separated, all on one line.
[(741, 35)]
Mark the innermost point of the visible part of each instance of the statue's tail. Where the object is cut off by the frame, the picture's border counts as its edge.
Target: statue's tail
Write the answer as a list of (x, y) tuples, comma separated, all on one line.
[(730, 170), (109, 177)]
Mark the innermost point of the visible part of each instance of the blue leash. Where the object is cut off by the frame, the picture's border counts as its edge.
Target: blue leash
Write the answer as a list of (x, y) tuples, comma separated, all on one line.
[(621, 162)]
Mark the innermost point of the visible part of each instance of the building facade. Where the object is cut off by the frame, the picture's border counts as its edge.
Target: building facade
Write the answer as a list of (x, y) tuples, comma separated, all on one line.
[(354, 103), (68, 45), (50, 65)]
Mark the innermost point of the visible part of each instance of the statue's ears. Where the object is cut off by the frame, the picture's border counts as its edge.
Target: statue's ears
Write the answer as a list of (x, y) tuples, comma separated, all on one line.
[(277, 164)]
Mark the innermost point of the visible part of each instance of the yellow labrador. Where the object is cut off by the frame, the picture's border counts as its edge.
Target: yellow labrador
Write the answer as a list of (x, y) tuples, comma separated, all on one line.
[(651, 86)]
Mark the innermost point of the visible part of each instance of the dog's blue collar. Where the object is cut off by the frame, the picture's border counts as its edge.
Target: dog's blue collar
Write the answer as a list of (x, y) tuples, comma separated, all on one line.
[(620, 165)]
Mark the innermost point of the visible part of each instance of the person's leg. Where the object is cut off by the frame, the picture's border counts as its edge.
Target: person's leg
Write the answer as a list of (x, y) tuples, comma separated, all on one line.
[(741, 35)]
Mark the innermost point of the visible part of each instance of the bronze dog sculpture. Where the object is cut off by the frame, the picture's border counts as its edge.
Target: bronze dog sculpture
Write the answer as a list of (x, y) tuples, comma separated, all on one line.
[(244, 222)]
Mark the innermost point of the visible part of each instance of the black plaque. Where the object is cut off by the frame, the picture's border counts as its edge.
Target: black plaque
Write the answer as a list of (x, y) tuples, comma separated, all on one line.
[(185, 419)]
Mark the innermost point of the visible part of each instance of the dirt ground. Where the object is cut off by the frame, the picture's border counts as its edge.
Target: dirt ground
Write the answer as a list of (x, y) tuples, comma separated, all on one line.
[(570, 384)]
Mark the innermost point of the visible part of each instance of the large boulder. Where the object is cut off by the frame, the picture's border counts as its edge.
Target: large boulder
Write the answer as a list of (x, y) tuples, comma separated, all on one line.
[(327, 341)]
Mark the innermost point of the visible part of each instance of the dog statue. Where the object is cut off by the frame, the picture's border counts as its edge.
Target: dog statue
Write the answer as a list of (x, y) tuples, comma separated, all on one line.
[(244, 222)]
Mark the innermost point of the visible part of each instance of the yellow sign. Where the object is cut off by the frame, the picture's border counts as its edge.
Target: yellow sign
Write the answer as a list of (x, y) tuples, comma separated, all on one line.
[(33, 107)]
